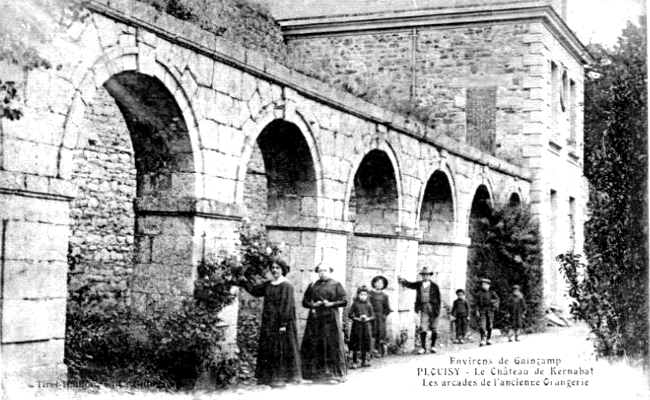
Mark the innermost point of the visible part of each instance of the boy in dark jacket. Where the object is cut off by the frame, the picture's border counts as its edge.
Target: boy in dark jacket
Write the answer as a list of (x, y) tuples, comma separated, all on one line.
[(460, 315), (487, 302), (427, 303), (381, 307), (516, 309)]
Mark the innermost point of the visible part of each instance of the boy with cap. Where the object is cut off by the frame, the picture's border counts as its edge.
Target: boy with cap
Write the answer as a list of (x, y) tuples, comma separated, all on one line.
[(460, 315), (486, 303), (427, 303), (516, 308)]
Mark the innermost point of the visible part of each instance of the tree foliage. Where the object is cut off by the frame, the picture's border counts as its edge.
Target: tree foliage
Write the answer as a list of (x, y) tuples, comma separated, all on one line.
[(507, 249), (610, 291)]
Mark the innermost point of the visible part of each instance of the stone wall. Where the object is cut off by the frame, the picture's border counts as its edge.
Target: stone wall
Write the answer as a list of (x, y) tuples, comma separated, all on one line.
[(256, 191), (435, 69), (102, 216)]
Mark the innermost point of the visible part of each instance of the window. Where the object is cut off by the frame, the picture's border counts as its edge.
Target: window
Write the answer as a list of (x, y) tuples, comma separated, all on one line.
[(564, 92), (572, 113), (554, 98), (572, 224), (481, 118)]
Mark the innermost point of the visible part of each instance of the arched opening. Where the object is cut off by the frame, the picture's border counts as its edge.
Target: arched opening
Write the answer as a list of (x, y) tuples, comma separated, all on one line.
[(481, 209), (291, 179), (514, 200), (481, 205), (435, 249), (136, 146), (375, 195), (280, 183), (437, 211), (374, 211)]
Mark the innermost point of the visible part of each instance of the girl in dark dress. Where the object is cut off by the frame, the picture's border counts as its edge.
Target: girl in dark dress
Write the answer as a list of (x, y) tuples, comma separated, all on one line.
[(381, 307), (322, 351), (278, 357), (361, 314)]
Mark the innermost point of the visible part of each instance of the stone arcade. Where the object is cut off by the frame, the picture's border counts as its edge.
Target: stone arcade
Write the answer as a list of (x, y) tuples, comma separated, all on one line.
[(141, 154)]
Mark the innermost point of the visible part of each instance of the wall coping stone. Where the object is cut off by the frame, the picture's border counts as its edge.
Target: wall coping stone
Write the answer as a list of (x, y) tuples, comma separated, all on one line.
[(207, 44)]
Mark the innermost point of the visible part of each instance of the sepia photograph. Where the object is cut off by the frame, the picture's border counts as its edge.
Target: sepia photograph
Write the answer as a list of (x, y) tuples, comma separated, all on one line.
[(292, 199)]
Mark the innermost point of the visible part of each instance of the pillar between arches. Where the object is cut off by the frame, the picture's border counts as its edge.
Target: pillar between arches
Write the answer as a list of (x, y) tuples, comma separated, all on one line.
[(307, 245), (391, 255), (172, 236), (447, 257)]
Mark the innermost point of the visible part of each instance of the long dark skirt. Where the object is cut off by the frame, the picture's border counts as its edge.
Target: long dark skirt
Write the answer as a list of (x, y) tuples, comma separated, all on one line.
[(322, 351), (361, 336), (278, 356)]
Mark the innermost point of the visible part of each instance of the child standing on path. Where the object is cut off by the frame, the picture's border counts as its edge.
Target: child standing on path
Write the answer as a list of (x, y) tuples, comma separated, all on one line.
[(361, 314), (381, 308), (487, 302), (516, 309), (460, 315)]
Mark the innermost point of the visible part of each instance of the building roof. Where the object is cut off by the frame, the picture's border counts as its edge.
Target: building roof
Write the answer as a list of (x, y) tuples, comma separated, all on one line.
[(283, 9)]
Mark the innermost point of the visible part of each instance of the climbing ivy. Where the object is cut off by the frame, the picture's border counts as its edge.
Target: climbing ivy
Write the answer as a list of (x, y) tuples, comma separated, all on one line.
[(610, 288)]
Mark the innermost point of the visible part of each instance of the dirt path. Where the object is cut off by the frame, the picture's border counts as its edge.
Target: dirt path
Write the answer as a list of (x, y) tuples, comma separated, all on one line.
[(562, 357)]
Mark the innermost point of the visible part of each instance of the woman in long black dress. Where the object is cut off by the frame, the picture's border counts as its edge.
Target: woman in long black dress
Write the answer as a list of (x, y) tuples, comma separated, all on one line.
[(322, 351), (278, 357)]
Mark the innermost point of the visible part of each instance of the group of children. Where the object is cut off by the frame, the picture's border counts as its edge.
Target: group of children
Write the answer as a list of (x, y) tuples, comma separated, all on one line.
[(371, 307), (486, 303), (368, 314)]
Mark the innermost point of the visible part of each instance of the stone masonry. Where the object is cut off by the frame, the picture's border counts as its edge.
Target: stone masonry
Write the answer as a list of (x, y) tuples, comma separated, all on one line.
[(141, 153), (102, 217)]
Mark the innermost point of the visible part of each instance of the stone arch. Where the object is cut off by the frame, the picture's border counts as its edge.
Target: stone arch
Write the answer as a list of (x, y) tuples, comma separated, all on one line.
[(123, 74), (437, 211), (482, 198), (252, 131), (160, 124), (373, 204), (290, 174), (387, 149), (514, 199), (482, 183)]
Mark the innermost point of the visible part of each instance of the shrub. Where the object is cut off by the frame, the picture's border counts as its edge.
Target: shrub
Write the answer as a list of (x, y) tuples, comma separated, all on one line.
[(507, 249), (166, 345), (169, 344), (248, 334), (398, 346)]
